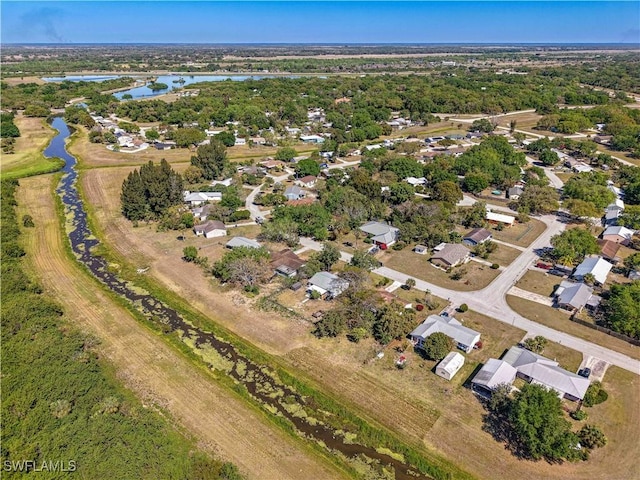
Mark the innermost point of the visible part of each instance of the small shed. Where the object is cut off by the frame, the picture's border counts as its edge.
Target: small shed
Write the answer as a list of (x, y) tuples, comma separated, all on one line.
[(421, 249), (450, 365)]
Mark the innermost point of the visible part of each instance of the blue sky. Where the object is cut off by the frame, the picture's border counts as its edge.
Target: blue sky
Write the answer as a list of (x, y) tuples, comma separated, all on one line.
[(320, 22)]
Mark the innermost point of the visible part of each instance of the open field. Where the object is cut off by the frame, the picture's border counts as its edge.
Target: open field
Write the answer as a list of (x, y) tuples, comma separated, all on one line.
[(97, 155), (414, 403), (477, 275), (538, 282), (162, 377), (520, 234), (559, 320), (503, 255), (19, 80), (28, 159)]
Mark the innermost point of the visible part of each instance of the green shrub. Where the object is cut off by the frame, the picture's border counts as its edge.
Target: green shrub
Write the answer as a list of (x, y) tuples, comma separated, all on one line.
[(579, 415), (495, 266)]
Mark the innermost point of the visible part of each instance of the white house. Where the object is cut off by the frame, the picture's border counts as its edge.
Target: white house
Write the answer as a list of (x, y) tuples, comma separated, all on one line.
[(381, 234), (236, 242), (312, 139), (308, 181), (493, 374), (619, 234), (594, 265), (450, 365), (239, 141), (198, 198), (464, 337), (493, 217), (326, 283), (210, 229)]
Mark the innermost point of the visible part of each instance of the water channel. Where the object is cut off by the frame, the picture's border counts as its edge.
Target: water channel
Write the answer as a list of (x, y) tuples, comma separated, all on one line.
[(261, 383), (173, 82)]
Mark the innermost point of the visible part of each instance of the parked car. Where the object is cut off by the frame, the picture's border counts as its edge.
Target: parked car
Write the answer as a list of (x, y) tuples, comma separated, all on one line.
[(557, 273), (584, 372), (544, 266)]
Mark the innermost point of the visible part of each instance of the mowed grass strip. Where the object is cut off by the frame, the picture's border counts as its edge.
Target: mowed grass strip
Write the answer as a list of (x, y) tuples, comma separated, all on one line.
[(28, 159), (554, 318)]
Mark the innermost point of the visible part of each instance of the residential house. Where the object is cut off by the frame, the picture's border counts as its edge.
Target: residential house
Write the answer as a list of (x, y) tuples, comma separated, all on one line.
[(537, 369), (239, 142), (421, 249), (450, 365), (493, 374), (495, 218), (594, 265), (226, 182), (609, 251), (581, 167), (286, 263), (312, 139), (618, 234), (210, 229), (236, 242), (294, 193), (416, 181), (162, 146), (477, 236), (198, 198), (476, 134), (575, 296), (514, 192), (327, 284), (451, 255), (381, 234), (308, 181), (201, 213), (465, 338), (258, 140), (302, 201)]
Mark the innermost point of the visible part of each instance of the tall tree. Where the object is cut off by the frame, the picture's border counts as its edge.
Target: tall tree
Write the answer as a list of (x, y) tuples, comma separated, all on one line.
[(211, 159), (537, 419)]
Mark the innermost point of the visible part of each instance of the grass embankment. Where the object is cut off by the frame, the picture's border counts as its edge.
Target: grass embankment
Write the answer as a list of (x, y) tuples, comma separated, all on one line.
[(62, 402), (35, 135), (342, 416)]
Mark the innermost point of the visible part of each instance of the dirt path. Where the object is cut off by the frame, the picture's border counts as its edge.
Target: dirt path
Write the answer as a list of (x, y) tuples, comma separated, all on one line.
[(220, 422)]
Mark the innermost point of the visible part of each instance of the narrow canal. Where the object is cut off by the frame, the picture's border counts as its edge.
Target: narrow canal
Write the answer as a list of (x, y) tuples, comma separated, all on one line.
[(261, 383)]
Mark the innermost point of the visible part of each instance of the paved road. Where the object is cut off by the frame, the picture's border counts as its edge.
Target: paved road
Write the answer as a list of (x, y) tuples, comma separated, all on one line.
[(491, 300)]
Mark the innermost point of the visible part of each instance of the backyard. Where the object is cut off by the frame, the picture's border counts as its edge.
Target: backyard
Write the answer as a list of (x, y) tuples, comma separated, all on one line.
[(521, 234)]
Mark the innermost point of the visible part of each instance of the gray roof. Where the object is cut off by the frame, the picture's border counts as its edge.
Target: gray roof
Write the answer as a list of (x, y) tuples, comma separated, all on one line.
[(621, 231), (377, 228), (494, 373), (329, 282), (451, 327), (452, 253), (451, 363), (294, 190), (546, 372), (597, 266), (515, 191), (202, 196), (242, 242), (576, 295)]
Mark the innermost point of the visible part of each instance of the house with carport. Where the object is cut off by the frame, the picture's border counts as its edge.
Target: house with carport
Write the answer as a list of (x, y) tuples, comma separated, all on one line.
[(465, 338), (381, 234)]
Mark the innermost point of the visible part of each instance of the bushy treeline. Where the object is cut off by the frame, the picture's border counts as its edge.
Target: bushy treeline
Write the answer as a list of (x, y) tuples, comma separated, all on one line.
[(60, 403), (148, 193), (8, 129), (56, 94)]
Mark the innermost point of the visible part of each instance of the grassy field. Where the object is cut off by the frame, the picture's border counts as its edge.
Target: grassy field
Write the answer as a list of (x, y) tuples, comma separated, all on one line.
[(158, 374), (559, 320), (521, 234), (503, 255), (538, 282), (28, 159), (477, 276)]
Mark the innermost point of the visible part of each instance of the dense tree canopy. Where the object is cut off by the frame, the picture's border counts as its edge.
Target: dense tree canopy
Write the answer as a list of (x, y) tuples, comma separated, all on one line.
[(571, 246), (622, 309), (211, 159), (149, 192)]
